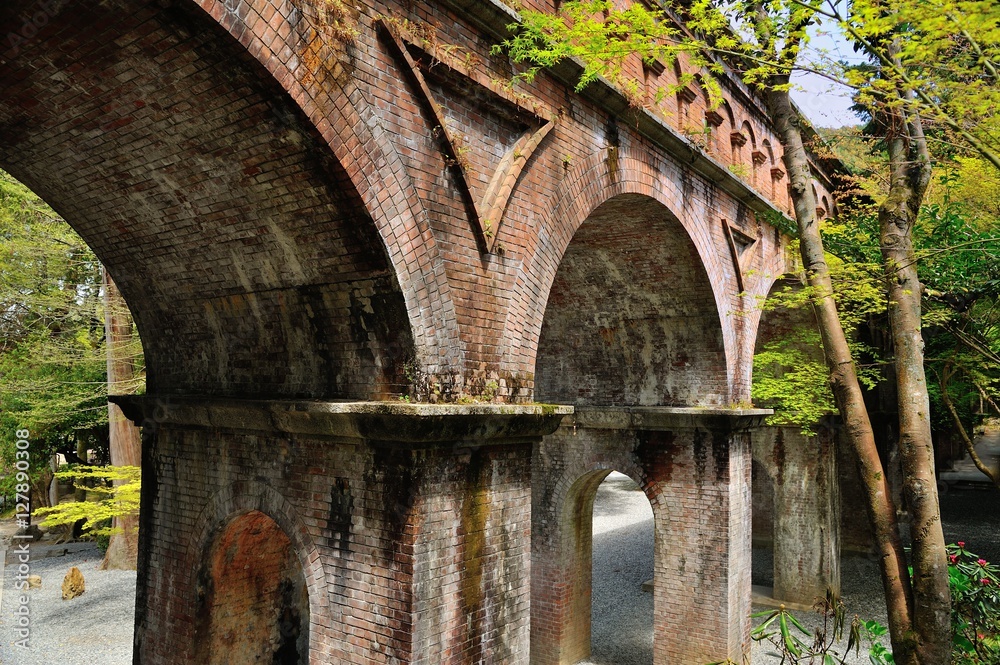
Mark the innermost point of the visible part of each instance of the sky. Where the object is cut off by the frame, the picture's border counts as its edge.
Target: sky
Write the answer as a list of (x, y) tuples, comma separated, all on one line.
[(825, 103)]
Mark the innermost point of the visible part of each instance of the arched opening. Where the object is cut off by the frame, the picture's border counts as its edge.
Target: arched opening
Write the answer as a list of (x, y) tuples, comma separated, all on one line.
[(253, 601), (796, 490), (240, 243), (608, 544), (631, 317), (762, 528), (622, 574)]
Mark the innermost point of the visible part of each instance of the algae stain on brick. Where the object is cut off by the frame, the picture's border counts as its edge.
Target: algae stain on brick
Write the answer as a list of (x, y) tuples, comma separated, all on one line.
[(472, 548)]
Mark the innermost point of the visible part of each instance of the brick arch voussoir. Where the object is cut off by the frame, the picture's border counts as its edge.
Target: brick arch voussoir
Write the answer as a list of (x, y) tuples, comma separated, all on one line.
[(373, 165), (586, 187), (242, 497), (569, 484)]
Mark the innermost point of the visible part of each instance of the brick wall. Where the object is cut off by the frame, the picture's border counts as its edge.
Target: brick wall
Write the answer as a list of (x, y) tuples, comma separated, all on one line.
[(278, 209), (409, 532), (804, 475), (253, 604), (631, 317), (275, 204), (696, 473)]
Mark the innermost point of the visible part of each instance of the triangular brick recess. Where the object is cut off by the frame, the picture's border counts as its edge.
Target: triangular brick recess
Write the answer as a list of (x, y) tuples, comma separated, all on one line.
[(484, 201), (739, 244)]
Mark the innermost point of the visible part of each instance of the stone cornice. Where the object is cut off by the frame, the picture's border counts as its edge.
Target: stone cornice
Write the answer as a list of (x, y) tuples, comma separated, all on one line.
[(665, 418), (378, 421)]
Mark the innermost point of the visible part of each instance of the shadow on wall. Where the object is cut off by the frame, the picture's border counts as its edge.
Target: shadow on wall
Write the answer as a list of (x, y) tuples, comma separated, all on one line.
[(631, 317)]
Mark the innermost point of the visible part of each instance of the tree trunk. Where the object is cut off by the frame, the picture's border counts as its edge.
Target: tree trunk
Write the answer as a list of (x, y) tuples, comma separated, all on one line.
[(126, 448), (970, 445), (844, 380), (909, 175)]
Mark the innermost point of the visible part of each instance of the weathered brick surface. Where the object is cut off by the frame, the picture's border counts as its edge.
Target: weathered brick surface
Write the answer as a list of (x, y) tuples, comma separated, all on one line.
[(253, 605), (276, 205), (407, 552), (631, 317), (803, 474), (798, 483), (696, 474), (273, 200)]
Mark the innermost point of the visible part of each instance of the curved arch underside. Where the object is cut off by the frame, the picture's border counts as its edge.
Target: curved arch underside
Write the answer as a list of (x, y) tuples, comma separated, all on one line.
[(631, 317), (246, 254)]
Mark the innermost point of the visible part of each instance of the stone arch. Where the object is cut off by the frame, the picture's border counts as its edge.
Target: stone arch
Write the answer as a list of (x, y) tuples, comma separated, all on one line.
[(193, 148), (254, 606), (248, 506), (587, 187), (562, 572), (747, 129), (769, 151), (245, 496), (685, 96), (368, 156), (723, 133), (750, 154), (633, 208)]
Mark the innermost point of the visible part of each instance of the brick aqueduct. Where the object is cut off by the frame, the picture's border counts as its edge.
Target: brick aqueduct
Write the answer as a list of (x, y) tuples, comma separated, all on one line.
[(401, 321)]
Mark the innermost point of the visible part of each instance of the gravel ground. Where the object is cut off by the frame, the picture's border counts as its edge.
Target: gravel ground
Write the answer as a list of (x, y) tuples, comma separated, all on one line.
[(93, 629), (623, 548), (96, 629)]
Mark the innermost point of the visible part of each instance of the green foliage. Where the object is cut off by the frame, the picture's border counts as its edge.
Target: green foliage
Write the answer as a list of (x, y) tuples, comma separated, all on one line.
[(117, 489), (789, 372), (958, 261), (788, 378), (53, 359), (975, 607), (798, 645), (604, 38)]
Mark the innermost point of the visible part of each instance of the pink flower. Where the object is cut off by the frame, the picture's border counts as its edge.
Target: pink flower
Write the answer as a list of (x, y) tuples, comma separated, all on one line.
[(953, 558), (981, 562), (985, 581), (961, 543)]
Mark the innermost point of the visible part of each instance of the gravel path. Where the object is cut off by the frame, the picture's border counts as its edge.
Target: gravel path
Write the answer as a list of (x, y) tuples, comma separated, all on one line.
[(96, 629), (93, 629), (623, 549)]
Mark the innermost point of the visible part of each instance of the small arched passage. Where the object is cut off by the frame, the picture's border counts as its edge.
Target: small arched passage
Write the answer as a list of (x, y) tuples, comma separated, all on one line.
[(631, 317), (588, 601), (623, 566), (253, 606)]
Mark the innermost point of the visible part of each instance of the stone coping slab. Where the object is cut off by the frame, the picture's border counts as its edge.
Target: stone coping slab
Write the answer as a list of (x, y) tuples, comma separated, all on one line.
[(372, 421), (665, 418)]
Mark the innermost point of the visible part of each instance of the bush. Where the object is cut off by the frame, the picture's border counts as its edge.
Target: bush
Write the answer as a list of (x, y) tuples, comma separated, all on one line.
[(975, 607), (117, 485)]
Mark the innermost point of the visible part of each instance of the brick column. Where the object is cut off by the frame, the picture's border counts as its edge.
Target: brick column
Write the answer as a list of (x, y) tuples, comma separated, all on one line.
[(409, 524), (806, 537), (694, 466)]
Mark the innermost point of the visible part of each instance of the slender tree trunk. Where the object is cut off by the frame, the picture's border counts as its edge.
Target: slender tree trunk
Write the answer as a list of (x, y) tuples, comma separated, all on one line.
[(844, 380), (126, 448), (909, 175), (970, 445)]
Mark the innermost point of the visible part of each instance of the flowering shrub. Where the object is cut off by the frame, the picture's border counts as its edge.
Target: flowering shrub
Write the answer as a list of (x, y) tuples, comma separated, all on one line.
[(975, 607)]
